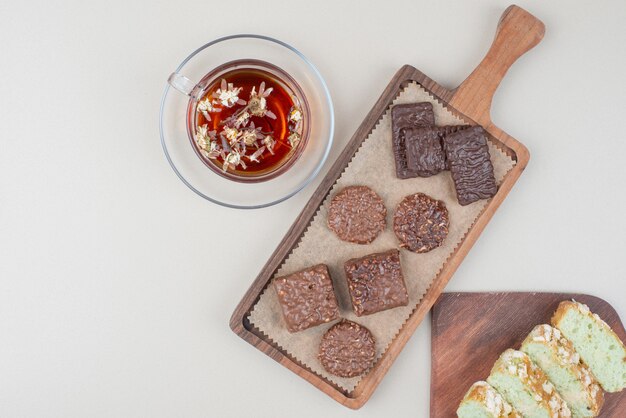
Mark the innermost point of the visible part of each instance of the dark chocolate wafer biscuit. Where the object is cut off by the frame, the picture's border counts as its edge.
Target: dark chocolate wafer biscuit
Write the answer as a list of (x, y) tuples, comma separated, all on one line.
[(410, 115), (470, 164), (424, 151), (444, 131), (357, 214), (425, 155), (421, 223), (347, 349)]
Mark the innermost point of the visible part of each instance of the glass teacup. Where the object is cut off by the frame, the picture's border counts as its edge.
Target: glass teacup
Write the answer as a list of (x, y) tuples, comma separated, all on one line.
[(247, 120)]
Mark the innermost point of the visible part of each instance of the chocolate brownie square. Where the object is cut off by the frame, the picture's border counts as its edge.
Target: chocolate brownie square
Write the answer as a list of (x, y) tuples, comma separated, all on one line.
[(375, 283), (307, 298)]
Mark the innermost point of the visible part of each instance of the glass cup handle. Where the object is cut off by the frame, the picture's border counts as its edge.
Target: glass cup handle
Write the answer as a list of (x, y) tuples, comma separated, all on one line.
[(181, 83)]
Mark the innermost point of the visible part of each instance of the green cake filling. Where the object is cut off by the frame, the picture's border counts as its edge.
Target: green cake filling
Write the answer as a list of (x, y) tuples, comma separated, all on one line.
[(567, 384), (518, 395), (473, 409), (598, 348)]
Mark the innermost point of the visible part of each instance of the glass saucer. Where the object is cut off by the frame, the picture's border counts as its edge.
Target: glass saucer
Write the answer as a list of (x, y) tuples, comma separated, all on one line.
[(218, 189)]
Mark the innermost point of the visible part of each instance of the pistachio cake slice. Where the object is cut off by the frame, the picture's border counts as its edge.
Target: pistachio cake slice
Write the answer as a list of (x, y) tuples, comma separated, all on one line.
[(598, 345), (483, 401), (558, 359), (526, 387)]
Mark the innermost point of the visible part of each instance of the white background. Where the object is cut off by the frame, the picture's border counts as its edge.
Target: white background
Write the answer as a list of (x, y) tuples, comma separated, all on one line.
[(117, 282)]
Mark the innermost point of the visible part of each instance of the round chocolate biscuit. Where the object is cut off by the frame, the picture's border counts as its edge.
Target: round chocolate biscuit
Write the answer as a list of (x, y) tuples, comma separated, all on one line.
[(421, 223), (347, 349), (357, 214)]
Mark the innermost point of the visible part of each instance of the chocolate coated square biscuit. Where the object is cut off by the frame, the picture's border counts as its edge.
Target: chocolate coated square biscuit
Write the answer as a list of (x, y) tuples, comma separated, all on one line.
[(403, 116), (307, 298), (425, 155), (470, 165), (424, 151), (375, 283)]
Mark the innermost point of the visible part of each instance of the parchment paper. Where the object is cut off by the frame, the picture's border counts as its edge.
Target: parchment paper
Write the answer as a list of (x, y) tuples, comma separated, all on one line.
[(373, 166)]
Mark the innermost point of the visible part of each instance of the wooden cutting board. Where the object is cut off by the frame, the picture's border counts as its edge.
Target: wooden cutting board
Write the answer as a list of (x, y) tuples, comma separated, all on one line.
[(470, 330), (518, 31)]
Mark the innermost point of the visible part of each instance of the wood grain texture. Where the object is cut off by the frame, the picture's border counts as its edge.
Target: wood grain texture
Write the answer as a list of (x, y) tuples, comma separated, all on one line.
[(518, 31), (470, 331), (516, 22)]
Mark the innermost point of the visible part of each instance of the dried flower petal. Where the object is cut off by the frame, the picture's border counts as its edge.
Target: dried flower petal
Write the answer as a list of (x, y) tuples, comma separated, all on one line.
[(225, 145), (248, 137), (213, 151), (257, 103), (262, 91), (233, 159), (207, 105), (294, 139), (255, 156), (204, 136), (242, 119), (231, 134), (295, 114), (202, 132), (257, 106), (269, 142), (228, 95)]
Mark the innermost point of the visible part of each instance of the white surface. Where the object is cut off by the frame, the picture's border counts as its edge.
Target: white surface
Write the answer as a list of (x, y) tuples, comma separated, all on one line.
[(117, 282)]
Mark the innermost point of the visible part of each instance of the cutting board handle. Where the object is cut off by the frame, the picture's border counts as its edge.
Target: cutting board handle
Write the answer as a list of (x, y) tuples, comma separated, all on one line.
[(518, 31)]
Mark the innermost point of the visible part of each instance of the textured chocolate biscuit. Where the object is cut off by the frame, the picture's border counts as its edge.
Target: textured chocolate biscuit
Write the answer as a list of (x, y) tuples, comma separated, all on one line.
[(375, 283), (410, 115), (347, 349), (470, 164), (425, 155), (421, 223), (405, 116), (424, 151), (307, 298), (357, 214), (444, 131)]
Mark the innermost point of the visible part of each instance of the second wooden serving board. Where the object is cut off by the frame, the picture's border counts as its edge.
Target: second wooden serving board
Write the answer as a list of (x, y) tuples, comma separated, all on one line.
[(471, 330)]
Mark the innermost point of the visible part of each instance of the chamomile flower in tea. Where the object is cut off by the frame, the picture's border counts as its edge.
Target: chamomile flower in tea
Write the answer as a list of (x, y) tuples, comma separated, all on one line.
[(258, 102), (248, 122), (269, 143), (294, 139), (207, 106), (227, 95), (206, 141)]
